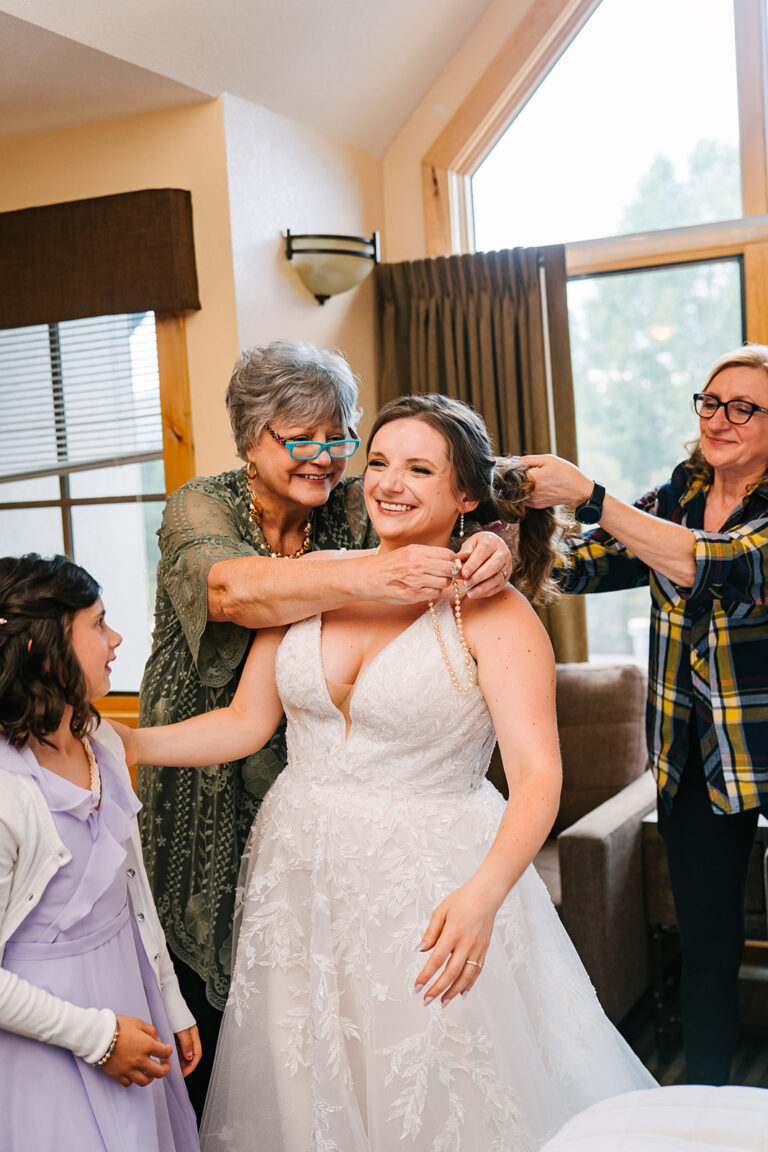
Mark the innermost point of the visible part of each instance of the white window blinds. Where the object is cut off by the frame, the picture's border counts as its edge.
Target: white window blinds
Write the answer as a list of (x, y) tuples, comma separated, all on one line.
[(77, 395)]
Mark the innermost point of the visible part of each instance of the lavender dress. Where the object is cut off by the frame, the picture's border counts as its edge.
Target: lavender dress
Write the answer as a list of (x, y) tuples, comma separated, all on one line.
[(80, 943)]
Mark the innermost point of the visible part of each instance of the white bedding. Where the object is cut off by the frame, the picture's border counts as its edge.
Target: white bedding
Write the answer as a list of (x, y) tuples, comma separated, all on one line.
[(680, 1118)]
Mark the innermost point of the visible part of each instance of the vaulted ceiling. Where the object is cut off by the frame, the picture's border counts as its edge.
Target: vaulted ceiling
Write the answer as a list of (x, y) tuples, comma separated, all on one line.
[(352, 69)]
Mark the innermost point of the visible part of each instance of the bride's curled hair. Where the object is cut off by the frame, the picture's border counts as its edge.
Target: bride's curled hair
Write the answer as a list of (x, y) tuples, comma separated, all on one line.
[(499, 484)]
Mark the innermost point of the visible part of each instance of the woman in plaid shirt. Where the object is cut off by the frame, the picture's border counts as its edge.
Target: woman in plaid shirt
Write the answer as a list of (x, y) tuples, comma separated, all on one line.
[(701, 542)]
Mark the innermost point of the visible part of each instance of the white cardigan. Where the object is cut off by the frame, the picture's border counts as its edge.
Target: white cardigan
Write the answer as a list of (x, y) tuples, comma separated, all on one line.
[(31, 853)]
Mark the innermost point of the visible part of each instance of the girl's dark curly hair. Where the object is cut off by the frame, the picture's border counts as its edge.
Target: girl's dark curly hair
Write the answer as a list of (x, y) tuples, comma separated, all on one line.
[(39, 672), (499, 484)]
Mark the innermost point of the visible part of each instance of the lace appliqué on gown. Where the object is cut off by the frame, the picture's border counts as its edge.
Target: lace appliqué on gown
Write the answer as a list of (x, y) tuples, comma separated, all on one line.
[(325, 1047)]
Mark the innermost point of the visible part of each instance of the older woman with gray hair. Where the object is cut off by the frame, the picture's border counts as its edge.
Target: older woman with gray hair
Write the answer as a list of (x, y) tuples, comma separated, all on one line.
[(228, 545)]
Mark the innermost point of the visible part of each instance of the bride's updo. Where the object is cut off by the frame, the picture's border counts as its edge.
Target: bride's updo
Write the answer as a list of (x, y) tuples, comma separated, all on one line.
[(499, 484)]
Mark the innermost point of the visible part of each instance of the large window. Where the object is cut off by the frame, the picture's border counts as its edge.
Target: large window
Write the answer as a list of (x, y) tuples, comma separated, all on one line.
[(633, 132), (96, 424), (635, 128), (81, 461), (641, 344)]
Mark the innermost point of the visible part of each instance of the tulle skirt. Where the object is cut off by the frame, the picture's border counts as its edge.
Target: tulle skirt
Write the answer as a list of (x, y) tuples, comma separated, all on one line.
[(325, 1046)]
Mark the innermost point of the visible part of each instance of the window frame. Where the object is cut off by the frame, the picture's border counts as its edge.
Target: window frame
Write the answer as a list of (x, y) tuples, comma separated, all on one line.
[(522, 64), (178, 454)]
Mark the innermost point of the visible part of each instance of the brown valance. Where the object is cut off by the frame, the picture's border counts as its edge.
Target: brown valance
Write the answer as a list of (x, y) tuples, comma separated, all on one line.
[(133, 252)]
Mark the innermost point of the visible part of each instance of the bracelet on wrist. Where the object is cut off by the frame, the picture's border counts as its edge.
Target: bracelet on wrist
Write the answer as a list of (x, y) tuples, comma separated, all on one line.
[(102, 1061)]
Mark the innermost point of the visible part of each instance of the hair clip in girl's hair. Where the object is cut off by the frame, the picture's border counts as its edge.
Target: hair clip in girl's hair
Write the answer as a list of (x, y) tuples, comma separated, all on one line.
[(3, 620)]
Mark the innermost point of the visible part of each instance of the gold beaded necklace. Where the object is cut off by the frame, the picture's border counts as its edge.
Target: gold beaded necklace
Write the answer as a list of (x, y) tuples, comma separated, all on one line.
[(256, 512), (468, 661)]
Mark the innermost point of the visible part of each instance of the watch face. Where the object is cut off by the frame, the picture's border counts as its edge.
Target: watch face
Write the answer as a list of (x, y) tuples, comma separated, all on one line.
[(588, 512), (592, 509)]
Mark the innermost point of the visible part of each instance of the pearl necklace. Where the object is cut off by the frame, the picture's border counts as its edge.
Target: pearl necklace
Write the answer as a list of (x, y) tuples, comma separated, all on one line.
[(256, 511), (468, 661), (95, 774)]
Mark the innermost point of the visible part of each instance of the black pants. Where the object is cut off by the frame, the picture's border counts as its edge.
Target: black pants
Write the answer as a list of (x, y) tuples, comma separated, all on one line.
[(208, 1022), (708, 857)]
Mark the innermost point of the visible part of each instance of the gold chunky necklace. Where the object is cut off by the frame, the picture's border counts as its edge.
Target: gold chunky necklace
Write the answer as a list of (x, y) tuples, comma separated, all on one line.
[(468, 661), (256, 511)]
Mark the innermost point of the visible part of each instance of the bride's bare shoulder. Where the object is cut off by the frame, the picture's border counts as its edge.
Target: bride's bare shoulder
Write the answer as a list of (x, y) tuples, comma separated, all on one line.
[(504, 615)]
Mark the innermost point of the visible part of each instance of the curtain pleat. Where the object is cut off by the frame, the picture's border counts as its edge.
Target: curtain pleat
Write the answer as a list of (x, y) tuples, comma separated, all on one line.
[(479, 328)]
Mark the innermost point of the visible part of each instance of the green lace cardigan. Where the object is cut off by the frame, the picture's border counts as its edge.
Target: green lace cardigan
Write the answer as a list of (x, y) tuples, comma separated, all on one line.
[(195, 822)]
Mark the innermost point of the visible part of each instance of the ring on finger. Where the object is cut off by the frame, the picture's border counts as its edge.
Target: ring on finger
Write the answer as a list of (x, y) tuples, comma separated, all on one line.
[(455, 568), (474, 963)]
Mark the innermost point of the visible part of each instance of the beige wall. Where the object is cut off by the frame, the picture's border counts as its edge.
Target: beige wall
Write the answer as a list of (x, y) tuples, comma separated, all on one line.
[(282, 175), (403, 204), (251, 173)]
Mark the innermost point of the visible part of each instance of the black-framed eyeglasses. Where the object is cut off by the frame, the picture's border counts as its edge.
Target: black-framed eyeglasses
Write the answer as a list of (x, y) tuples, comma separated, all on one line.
[(310, 449), (736, 411)]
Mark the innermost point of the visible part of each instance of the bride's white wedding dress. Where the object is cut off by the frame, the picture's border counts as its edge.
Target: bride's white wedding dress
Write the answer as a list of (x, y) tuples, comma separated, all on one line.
[(325, 1047)]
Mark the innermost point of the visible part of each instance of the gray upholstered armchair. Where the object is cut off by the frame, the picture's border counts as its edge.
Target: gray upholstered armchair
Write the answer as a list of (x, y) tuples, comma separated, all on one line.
[(592, 862)]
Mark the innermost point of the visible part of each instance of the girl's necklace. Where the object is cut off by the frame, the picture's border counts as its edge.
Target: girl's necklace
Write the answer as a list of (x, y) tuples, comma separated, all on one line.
[(95, 774), (468, 661), (256, 511)]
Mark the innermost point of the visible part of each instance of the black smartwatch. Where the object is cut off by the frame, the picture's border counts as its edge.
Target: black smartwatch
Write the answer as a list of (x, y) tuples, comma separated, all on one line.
[(592, 509)]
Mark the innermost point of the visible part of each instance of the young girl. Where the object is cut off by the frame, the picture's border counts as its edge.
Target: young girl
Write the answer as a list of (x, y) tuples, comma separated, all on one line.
[(402, 979), (89, 1003)]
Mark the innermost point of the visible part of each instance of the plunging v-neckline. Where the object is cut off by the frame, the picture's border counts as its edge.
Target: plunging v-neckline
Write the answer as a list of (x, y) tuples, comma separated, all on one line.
[(354, 687)]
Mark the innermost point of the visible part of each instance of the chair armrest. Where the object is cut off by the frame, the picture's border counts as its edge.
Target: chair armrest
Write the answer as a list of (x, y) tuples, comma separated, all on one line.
[(603, 910)]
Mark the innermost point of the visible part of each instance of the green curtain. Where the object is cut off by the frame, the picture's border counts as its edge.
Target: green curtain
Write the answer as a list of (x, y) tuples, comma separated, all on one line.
[(490, 329)]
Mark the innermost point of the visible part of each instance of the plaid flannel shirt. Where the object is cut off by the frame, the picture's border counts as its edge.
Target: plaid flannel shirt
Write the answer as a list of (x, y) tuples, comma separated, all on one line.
[(708, 644)]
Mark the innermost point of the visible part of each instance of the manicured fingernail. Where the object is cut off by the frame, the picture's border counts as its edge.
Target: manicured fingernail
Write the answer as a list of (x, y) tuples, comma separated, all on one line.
[(444, 1003), (428, 999), (464, 993), (418, 988)]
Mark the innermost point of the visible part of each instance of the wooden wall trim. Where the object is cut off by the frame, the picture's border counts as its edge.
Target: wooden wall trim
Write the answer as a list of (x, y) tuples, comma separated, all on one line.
[(175, 402), (119, 706), (541, 37), (675, 246), (756, 292)]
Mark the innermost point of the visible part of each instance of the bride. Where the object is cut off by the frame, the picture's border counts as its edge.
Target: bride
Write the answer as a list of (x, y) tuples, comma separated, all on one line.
[(402, 979)]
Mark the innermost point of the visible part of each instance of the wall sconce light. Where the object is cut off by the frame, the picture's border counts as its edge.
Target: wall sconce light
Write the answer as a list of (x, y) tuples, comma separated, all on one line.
[(328, 265)]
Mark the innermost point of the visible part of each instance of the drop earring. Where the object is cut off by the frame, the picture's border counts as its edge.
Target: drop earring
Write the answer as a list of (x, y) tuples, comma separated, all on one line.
[(461, 525)]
